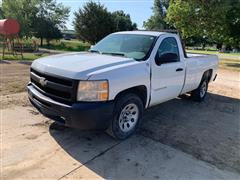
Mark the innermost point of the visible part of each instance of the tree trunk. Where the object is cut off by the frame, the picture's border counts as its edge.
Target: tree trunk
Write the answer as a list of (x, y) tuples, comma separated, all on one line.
[(41, 42), (48, 42), (223, 49), (219, 46)]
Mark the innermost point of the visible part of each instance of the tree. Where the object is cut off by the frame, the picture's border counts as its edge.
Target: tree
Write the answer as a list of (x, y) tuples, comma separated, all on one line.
[(1, 13), (42, 18), (48, 30), (157, 20), (49, 20), (232, 23), (123, 22), (216, 20), (23, 11), (93, 22)]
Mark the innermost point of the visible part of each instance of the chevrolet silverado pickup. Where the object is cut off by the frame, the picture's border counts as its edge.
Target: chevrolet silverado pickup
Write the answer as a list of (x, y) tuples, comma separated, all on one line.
[(109, 86)]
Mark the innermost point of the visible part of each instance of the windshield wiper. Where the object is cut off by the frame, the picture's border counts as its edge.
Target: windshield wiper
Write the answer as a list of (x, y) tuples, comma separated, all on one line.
[(114, 54), (95, 51)]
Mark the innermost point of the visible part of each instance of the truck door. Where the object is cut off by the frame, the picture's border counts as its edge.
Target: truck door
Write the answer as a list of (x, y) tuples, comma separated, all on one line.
[(168, 71)]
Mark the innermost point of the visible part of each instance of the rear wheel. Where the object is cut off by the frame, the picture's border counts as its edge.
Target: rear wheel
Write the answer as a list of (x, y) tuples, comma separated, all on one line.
[(127, 116), (200, 93)]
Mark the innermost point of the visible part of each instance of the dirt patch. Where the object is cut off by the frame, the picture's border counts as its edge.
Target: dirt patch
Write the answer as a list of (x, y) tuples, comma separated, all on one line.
[(11, 100), (14, 77), (31, 136)]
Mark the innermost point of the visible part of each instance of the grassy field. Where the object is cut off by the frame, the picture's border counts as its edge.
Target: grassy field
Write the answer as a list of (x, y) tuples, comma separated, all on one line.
[(26, 56), (64, 45), (212, 52), (61, 45), (232, 64), (229, 61)]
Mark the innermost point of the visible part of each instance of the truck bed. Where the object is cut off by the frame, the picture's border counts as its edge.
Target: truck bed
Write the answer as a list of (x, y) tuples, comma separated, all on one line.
[(189, 55)]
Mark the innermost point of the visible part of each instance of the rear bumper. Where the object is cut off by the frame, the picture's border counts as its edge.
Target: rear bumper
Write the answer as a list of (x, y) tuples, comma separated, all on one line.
[(82, 115)]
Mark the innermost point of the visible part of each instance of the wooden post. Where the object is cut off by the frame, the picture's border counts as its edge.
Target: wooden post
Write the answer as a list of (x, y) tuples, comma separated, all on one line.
[(12, 44)]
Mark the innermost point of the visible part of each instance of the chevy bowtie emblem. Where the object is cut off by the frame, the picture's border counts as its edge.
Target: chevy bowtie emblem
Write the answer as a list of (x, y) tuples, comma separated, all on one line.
[(43, 81)]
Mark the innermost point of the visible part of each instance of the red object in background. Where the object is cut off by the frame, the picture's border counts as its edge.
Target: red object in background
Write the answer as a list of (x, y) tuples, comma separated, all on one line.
[(9, 27)]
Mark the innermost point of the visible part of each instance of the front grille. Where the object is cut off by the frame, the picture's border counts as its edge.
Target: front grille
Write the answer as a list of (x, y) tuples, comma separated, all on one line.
[(58, 88)]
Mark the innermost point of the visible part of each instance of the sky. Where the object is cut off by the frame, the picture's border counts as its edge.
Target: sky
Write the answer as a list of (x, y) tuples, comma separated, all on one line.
[(139, 10)]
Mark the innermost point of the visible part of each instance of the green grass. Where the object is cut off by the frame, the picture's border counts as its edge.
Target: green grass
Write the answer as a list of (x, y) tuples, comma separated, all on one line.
[(61, 45), (231, 64), (212, 52), (64, 45), (26, 56), (229, 61)]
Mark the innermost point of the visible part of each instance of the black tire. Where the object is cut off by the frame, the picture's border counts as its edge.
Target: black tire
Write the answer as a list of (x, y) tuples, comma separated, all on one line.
[(121, 104), (200, 93)]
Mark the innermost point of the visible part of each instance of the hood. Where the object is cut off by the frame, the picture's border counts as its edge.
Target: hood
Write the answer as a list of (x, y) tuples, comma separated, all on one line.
[(79, 65)]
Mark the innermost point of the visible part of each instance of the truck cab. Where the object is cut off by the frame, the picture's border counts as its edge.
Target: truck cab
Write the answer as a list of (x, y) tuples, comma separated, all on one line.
[(109, 86)]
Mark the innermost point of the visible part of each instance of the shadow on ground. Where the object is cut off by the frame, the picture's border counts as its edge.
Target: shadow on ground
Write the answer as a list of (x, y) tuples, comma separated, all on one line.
[(208, 131)]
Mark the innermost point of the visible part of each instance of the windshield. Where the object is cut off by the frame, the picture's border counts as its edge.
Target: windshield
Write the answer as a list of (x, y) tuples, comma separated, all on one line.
[(128, 45)]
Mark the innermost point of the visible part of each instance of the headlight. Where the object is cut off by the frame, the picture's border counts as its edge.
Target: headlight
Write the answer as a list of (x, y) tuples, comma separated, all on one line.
[(92, 91)]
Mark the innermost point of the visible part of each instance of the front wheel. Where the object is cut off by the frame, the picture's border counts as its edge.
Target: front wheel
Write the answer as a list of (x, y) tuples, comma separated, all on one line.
[(127, 116), (200, 93)]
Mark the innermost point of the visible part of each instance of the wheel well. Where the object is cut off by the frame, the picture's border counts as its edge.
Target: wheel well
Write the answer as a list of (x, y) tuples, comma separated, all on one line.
[(208, 74), (141, 91)]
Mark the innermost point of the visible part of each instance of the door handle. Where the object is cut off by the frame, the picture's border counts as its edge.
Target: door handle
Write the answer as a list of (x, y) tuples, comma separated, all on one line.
[(179, 69)]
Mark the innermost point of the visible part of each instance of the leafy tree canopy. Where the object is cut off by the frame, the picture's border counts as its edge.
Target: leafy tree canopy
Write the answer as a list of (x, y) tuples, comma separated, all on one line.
[(41, 18), (22, 10), (157, 20), (93, 22), (50, 18), (123, 22), (217, 20), (1, 13)]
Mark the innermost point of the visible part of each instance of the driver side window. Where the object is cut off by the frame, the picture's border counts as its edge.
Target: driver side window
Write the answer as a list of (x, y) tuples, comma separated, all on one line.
[(167, 52)]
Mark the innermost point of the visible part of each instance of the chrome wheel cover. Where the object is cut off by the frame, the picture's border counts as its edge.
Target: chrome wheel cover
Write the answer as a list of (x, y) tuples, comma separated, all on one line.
[(128, 117)]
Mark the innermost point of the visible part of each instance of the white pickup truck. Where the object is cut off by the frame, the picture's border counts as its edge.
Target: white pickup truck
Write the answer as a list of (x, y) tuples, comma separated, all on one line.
[(109, 86)]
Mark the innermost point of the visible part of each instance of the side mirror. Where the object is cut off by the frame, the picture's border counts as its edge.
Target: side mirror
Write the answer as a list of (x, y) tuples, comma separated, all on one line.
[(167, 58)]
